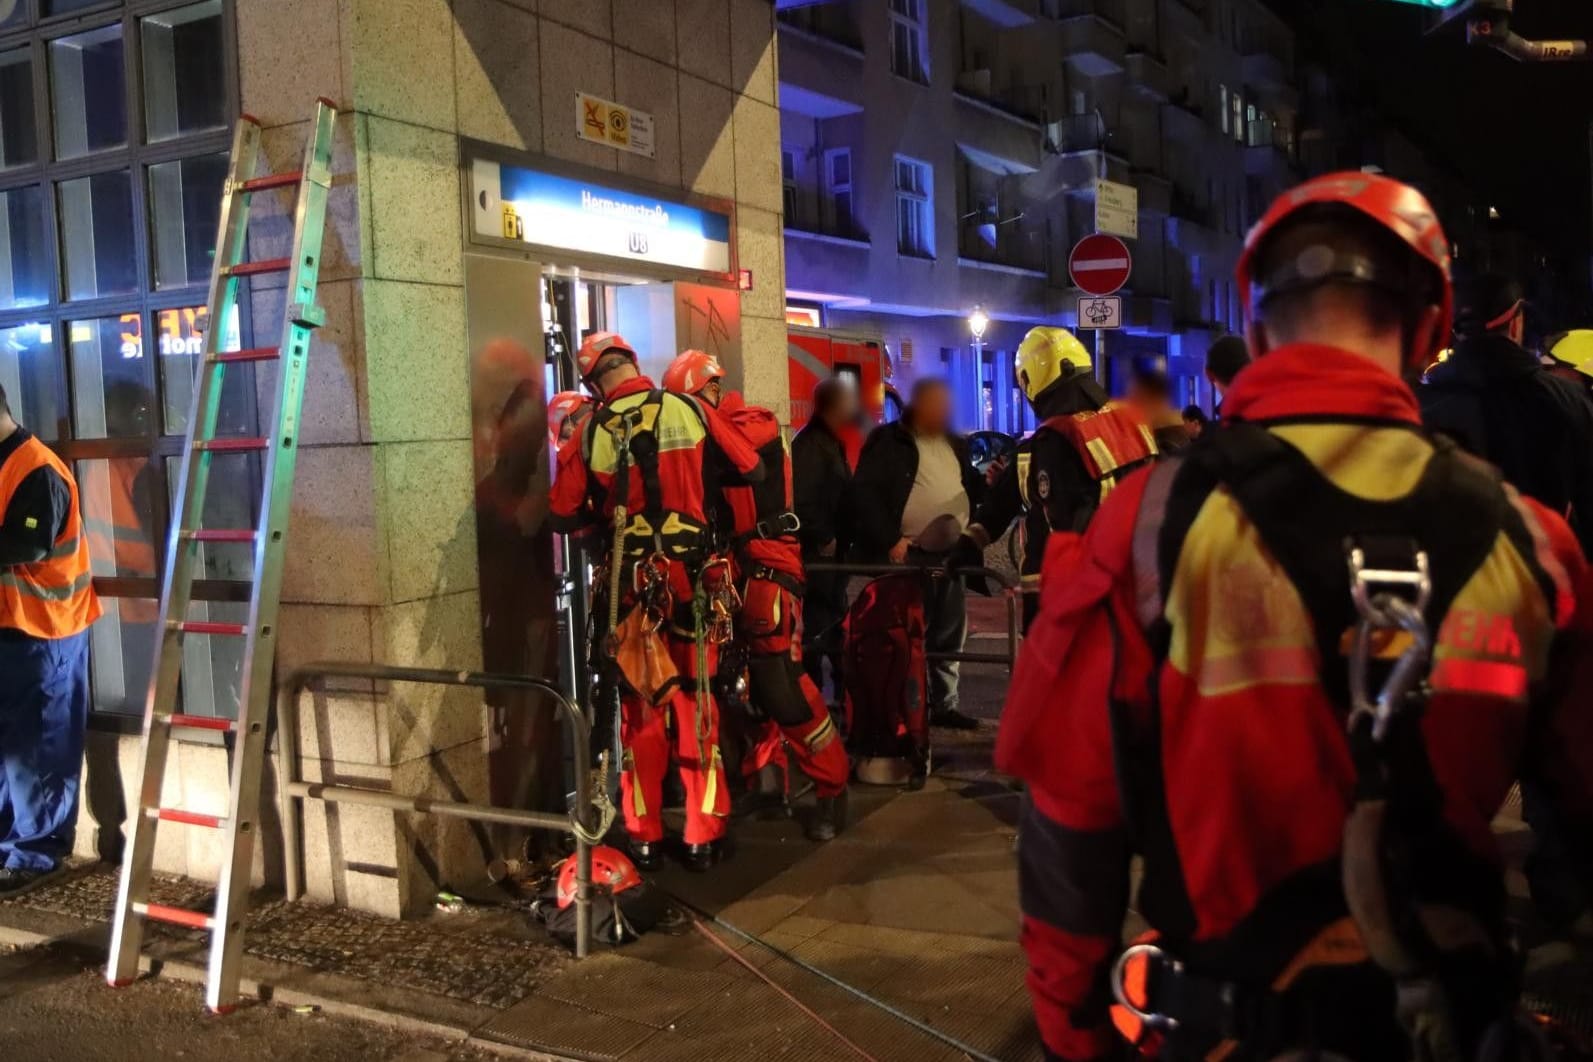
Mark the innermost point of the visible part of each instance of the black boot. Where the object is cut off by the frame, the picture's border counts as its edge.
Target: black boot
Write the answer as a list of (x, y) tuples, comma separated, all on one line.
[(702, 857), (647, 855), (829, 818)]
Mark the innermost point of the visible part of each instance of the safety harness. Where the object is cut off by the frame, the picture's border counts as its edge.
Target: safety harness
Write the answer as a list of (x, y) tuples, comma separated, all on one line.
[(1409, 896), (655, 529)]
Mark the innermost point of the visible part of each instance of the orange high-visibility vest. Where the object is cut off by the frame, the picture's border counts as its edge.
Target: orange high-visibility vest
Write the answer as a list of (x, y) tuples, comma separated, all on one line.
[(55, 597)]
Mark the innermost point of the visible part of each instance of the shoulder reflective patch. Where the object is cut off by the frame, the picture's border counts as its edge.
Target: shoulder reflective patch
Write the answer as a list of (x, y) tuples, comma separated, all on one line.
[(1495, 640), (1025, 460), (31, 523)]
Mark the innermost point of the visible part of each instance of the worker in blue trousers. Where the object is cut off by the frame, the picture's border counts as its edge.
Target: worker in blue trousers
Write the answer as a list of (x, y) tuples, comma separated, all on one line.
[(47, 604)]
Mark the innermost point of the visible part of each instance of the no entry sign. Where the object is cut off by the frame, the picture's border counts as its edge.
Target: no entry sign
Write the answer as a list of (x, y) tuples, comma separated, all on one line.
[(1099, 264)]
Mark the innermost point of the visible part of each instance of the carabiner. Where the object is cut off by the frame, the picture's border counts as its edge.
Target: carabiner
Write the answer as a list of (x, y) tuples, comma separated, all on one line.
[(1387, 610), (1151, 953)]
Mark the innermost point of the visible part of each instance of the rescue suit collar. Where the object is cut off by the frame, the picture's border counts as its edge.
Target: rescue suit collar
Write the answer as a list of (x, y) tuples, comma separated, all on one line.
[(633, 386), (1314, 380)]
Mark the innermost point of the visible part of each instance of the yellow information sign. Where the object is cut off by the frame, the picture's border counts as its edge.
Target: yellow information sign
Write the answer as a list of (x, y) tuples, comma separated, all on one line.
[(614, 124)]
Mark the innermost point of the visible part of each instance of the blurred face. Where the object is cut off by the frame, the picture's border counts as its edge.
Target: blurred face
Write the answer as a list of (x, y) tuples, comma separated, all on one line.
[(845, 410), (932, 410), (712, 392)]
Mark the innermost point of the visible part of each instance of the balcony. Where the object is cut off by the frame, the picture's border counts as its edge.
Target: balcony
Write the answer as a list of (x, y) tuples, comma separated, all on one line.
[(1087, 151), (1092, 45), (1270, 161), (826, 267), (1008, 14), (1184, 122), (1149, 76), (1155, 193), (819, 77), (995, 139), (1265, 70)]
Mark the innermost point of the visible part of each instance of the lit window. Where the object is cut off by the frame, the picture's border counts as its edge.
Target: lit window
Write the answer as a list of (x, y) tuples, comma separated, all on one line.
[(184, 68), (1223, 109), (185, 206), (19, 134), (97, 235), (909, 40), (914, 219), (1238, 117), (838, 185), (24, 249), (31, 377), (788, 185), (89, 82)]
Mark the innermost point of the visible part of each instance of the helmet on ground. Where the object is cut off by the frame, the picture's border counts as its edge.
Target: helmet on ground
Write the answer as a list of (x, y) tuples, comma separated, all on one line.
[(596, 353), (1573, 349), (691, 371), (567, 409), (1392, 206), (612, 871), (1047, 355)]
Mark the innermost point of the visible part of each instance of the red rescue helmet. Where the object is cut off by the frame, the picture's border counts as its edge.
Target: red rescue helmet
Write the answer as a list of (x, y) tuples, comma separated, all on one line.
[(595, 350), (1396, 207), (612, 871), (691, 371), (568, 408)]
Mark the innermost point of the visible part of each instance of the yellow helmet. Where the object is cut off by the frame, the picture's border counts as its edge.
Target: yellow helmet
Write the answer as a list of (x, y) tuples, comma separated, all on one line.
[(1047, 355), (1573, 349)]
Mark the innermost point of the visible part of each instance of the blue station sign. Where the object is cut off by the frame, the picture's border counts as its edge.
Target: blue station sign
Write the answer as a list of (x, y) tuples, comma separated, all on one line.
[(549, 210)]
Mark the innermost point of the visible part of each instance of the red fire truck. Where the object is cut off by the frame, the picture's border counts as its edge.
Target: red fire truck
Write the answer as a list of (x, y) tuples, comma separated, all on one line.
[(815, 353)]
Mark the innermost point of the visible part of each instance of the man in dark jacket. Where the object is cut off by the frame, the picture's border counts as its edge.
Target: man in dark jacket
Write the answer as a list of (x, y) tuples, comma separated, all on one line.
[(911, 499), (821, 476), (1496, 400)]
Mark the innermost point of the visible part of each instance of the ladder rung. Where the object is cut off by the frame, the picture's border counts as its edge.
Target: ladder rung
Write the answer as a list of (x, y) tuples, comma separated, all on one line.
[(221, 535), (199, 722), (233, 357), (198, 627), (226, 446), (249, 269), (187, 818), (273, 180), (176, 916)]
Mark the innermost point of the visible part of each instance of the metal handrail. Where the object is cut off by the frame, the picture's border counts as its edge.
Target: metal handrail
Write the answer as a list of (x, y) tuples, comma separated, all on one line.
[(578, 823), (1011, 592)]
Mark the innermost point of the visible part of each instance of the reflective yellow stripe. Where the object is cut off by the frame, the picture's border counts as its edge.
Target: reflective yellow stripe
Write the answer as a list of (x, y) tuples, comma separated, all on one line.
[(1102, 454), (28, 588), (822, 736), (711, 791), (638, 804), (1024, 459)]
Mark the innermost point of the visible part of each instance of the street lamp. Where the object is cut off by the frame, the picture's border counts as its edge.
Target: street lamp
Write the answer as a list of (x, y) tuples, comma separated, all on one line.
[(978, 321)]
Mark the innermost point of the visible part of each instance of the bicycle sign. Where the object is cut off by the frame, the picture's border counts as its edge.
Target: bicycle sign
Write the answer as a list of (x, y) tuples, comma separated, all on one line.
[(1101, 311)]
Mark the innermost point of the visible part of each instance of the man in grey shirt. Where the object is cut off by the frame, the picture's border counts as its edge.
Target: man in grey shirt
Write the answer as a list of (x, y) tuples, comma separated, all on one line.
[(912, 495)]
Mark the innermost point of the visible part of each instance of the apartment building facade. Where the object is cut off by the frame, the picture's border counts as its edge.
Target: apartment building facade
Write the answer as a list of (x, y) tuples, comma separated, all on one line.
[(940, 156)]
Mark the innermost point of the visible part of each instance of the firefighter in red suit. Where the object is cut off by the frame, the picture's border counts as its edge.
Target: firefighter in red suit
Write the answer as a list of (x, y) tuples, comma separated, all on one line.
[(666, 553), (768, 560), (1318, 868)]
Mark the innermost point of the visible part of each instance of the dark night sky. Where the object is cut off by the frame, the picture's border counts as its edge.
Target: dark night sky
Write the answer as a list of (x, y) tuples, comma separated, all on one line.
[(1517, 131)]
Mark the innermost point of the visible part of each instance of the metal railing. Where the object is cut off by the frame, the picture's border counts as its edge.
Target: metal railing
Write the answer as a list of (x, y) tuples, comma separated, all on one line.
[(579, 824), (1010, 593)]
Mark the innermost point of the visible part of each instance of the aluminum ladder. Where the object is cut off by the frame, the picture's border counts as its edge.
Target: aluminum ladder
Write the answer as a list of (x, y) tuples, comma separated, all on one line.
[(269, 540)]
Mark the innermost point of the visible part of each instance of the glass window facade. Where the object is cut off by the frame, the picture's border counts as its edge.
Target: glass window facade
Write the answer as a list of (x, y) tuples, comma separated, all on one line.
[(115, 122)]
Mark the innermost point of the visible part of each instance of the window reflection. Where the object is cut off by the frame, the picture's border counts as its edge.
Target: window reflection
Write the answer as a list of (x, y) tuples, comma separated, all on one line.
[(88, 78), (111, 393), (31, 376)]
